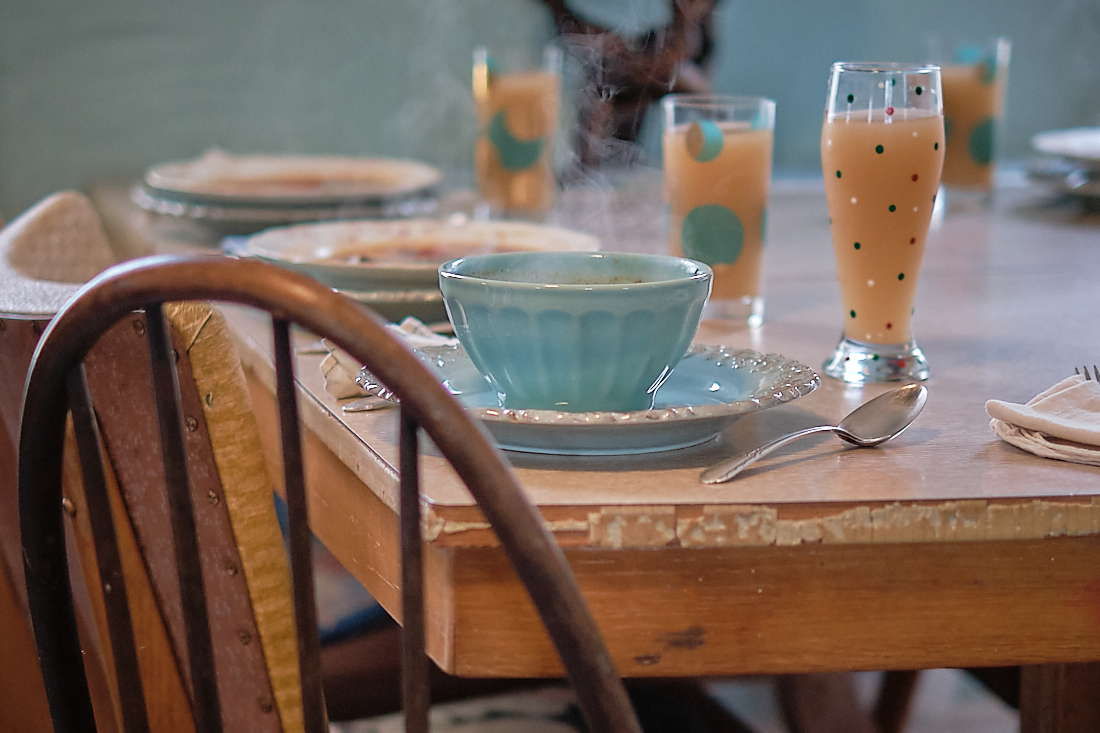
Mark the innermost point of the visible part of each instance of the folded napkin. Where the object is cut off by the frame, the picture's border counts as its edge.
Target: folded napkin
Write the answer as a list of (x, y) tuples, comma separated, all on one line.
[(340, 368), (1063, 422)]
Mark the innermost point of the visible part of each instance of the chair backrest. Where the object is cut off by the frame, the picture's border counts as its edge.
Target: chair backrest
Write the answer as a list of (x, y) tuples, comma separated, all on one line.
[(57, 384), (245, 570), (45, 254)]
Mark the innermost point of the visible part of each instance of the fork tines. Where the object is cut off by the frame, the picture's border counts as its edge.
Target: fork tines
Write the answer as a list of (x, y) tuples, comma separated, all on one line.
[(1085, 372)]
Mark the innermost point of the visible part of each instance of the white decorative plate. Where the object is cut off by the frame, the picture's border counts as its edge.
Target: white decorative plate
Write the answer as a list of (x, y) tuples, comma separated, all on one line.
[(288, 180), (711, 387), (1079, 143), (367, 256)]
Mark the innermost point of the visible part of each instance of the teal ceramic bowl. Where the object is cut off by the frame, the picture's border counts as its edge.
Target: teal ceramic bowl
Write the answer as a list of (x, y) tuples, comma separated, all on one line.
[(575, 331)]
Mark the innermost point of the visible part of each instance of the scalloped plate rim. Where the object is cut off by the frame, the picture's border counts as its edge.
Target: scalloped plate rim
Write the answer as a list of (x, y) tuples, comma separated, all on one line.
[(641, 431)]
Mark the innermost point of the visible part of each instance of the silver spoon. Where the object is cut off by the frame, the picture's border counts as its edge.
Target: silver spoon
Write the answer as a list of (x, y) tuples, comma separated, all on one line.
[(873, 422)]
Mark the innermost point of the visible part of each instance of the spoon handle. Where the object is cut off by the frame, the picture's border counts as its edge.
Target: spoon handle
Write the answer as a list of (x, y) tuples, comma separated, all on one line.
[(724, 471)]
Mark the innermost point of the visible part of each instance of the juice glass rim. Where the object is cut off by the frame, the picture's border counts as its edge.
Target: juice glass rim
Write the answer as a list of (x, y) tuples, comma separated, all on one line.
[(700, 100), (761, 109), (863, 77), (885, 67)]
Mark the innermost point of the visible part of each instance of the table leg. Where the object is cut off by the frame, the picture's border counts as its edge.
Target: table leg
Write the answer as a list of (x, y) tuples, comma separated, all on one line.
[(894, 699), (1060, 698), (822, 703)]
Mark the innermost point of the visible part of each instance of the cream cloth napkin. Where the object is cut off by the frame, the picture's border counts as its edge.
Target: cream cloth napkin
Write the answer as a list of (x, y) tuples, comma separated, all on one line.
[(340, 368), (1063, 422)]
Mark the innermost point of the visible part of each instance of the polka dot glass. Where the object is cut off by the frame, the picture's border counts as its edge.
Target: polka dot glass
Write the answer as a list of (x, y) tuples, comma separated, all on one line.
[(882, 155), (717, 162), (975, 77)]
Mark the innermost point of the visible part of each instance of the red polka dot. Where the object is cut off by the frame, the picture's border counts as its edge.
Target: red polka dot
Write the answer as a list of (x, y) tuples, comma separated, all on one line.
[(889, 110), (889, 326), (912, 240), (915, 176)]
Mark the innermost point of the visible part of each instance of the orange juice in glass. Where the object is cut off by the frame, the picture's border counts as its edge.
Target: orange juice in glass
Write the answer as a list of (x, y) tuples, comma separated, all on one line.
[(518, 112), (717, 162), (974, 84), (882, 151)]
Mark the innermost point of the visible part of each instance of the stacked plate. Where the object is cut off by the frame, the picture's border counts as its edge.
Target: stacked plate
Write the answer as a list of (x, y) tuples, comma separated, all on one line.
[(1071, 163), (242, 194), (393, 266)]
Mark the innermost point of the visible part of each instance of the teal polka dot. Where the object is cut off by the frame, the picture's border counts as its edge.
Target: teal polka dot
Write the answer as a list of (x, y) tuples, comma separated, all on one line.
[(893, 208), (712, 234), (852, 314), (935, 146), (838, 174), (710, 142), (879, 149), (981, 143), (851, 98), (919, 91), (901, 276), (515, 154), (857, 245)]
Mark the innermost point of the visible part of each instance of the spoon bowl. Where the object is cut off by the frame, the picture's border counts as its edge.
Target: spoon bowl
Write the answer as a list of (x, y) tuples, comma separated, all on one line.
[(875, 421)]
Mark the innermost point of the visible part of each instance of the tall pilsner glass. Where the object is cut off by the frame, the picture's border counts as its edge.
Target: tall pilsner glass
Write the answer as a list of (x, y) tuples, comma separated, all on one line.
[(882, 148)]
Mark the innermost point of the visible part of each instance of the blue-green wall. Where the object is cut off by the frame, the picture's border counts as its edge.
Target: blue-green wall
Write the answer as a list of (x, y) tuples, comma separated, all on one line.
[(92, 88)]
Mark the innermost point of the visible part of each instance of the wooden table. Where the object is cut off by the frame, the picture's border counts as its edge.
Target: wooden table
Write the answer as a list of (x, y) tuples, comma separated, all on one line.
[(944, 548)]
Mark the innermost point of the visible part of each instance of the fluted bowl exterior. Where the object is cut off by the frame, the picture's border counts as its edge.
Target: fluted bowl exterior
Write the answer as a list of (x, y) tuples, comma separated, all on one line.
[(575, 331)]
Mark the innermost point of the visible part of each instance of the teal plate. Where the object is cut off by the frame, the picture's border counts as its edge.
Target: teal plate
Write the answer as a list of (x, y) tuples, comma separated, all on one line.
[(709, 389)]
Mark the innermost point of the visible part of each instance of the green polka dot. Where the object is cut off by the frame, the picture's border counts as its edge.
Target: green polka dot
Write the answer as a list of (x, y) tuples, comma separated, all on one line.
[(874, 357), (893, 208), (901, 276), (878, 149), (712, 234), (851, 98), (857, 245), (852, 314), (704, 141), (838, 174), (919, 91), (981, 143), (935, 146), (515, 154)]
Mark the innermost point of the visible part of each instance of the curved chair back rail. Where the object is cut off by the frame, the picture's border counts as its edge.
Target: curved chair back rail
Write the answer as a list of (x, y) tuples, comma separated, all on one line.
[(56, 378)]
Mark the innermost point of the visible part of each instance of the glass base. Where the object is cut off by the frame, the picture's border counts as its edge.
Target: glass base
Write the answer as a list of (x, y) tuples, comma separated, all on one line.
[(749, 310), (859, 363)]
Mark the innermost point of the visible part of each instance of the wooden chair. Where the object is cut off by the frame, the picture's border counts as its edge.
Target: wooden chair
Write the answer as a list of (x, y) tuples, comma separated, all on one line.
[(45, 254), (166, 421)]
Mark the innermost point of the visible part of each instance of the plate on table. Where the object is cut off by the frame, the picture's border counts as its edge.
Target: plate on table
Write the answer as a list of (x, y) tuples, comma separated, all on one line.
[(244, 193), (1078, 143), (709, 389), (1072, 163), (371, 256)]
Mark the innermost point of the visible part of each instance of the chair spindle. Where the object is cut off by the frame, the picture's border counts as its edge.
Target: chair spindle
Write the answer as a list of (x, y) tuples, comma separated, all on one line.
[(416, 695), (301, 547), (116, 604), (200, 652)]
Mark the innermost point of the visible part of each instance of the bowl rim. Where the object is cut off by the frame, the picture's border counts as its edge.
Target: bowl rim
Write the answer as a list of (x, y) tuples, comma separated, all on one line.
[(447, 274)]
